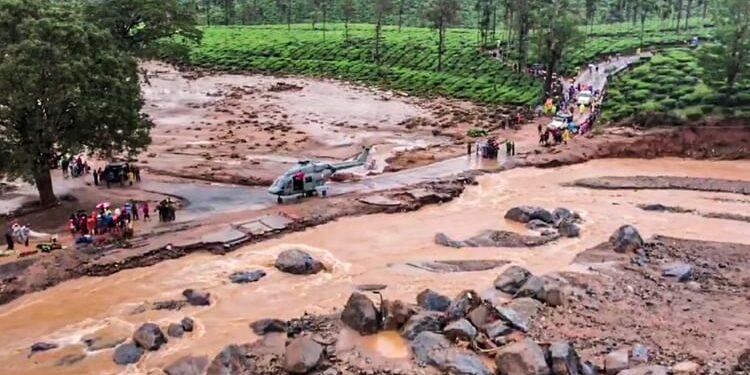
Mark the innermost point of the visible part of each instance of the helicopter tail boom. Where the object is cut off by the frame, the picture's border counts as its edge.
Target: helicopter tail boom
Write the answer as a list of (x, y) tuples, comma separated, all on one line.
[(360, 160)]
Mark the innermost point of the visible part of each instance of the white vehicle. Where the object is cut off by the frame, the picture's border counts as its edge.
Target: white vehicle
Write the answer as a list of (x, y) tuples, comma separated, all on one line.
[(560, 121), (585, 97)]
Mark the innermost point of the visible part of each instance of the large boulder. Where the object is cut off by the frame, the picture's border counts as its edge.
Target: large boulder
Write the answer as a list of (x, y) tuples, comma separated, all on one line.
[(524, 214), (616, 361), (188, 365), (511, 279), (298, 262), (563, 215), (564, 359), (233, 360), (526, 308), (461, 329), (396, 313), (524, 357), (434, 350), (497, 329), (463, 303), (126, 354), (514, 318), (266, 326), (533, 287), (626, 239), (302, 355), (149, 336), (431, 300), (361, 315), (244, 277), (570, 230), (442, 239), (557, 294), (425, 321), (537, 224), (197, 298)]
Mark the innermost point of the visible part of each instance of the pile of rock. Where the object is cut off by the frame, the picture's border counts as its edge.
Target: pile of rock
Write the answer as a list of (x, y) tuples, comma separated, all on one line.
[(521, 283), (560, 221), (149, 337), (627, 240)]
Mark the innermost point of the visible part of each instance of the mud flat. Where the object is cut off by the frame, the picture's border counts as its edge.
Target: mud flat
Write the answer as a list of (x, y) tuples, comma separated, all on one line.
[(247, 129), (681, 210)]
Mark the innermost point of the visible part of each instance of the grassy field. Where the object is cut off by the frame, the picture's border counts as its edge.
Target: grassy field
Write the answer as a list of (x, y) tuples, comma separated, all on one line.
[(409, 57), (670, 86)]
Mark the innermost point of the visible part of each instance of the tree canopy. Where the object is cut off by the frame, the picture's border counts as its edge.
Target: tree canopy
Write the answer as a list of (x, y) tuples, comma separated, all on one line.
[(65, 88), (142, 27), (728, 61)]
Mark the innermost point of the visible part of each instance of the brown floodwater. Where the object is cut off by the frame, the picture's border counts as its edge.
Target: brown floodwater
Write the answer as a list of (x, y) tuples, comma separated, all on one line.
[(359, 250)]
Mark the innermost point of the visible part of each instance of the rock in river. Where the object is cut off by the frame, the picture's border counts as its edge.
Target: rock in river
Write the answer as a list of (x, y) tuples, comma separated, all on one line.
[(188, 366), (126, 354), (563, 215), (522, 357), (233, 359), (149, 336), (175, 330), (298, 262), (197, 298), (360, 314), (266, 326), (537, 224), (434, 301), (524, 214), (244, 277), (569, 230), (302, 355), (187, 324), (681, 271), (626, 239), (510, 280), (42, 347)]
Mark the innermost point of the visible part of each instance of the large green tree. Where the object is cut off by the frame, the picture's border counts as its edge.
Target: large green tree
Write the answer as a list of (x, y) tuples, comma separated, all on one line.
[(728, 60), (142, 27), (556, 34), (442, 14), (65, 87)]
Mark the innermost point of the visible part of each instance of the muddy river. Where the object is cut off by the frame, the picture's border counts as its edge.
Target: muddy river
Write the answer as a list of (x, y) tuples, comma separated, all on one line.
[(371, 249)]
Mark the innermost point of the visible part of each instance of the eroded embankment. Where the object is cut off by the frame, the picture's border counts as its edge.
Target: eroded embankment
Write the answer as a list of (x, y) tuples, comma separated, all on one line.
[(728, 142), (26, 276), (713, 185)]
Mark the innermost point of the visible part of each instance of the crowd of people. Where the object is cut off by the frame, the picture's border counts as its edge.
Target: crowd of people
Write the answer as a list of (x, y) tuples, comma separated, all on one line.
[(74, 166)]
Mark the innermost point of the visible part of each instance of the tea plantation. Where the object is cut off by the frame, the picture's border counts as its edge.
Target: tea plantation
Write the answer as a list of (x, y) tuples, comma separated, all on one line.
[(409, 58), (670, 85)]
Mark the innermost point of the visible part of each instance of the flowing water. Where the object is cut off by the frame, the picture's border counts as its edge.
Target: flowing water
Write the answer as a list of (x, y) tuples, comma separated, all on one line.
[(359, 250)]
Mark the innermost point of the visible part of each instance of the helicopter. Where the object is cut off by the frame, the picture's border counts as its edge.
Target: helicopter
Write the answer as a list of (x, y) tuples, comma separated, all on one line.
[(306, 177)]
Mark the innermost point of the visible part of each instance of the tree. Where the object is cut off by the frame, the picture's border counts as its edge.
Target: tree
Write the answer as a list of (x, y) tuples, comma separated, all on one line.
[(557, 32), (441, 14), (645, 9), (523, 26), (401, 6), (141, 26), (590, 8), (320, 7), (382, 9), (347, 10), (484, 10), (728, 59), (65, 87)]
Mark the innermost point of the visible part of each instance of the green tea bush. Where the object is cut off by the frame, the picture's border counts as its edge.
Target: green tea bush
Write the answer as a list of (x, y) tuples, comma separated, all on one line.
[(669, 87)]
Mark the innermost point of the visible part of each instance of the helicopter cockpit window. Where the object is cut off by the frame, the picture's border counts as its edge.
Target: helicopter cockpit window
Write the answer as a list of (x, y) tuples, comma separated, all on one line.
[(279, 182), (308, 179)]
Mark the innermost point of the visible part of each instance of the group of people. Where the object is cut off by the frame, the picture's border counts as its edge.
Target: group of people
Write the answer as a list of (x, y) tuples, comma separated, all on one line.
[(17, 233), (73, 166), (104, 220), (166, 209), (127, 173)]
